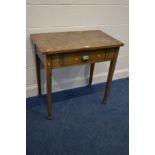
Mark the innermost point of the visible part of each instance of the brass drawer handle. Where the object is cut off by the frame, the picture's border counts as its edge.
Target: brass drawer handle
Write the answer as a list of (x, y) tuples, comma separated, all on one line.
[(85, 58)]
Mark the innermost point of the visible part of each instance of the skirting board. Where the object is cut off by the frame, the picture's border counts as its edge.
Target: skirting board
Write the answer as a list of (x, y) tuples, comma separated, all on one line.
[(98, 78)]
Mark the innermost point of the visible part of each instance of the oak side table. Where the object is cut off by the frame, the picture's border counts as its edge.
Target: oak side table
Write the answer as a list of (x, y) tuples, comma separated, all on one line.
[(61, 49)]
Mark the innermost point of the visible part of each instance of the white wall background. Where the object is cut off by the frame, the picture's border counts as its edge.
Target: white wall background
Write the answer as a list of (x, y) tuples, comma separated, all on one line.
[(110, 16)]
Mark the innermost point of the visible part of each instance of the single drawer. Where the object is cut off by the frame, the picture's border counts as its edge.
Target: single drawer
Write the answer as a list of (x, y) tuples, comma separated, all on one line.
[(77, 58)]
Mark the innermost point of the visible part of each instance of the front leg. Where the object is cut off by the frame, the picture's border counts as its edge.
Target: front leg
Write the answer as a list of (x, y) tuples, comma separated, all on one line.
[(48, 86), (91, 73), (110, 76), (38, 72)]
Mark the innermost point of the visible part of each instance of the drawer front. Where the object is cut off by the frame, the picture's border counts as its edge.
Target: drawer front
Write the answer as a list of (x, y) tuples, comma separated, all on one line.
[(69, 59)]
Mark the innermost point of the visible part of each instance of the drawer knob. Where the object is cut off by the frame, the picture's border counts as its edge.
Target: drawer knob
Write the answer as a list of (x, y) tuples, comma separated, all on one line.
[(99, 56), (76, 59), (85, 58)]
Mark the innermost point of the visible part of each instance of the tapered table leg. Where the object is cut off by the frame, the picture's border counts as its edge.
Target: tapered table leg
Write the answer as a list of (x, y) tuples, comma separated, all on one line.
[(110, 76), (38, 74), (49, 92), (91, 73)]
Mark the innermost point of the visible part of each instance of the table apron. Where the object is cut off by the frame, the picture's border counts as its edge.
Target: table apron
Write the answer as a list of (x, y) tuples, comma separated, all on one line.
[(80, 58)]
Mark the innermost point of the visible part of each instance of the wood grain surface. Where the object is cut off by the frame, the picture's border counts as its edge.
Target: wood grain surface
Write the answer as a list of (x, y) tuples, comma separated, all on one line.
[(62, 42)]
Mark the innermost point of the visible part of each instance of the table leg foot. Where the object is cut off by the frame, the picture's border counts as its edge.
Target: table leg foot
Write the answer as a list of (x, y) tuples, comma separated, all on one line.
[(104, 101), (49, 117), (89, 86)]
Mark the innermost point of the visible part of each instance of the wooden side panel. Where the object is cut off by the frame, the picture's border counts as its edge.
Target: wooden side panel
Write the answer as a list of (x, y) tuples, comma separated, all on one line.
[(41, 56), (110, 54), (55, 61)]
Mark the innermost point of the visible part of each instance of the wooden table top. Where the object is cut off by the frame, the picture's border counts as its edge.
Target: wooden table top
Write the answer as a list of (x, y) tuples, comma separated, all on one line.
[(64, 42)]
